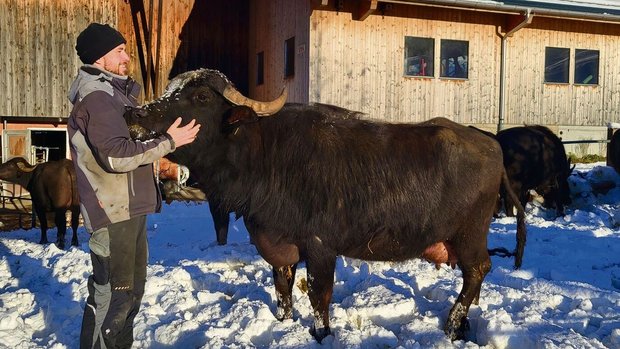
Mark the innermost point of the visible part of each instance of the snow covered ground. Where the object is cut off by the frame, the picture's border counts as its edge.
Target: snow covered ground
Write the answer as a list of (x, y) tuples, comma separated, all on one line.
[(201, 295)]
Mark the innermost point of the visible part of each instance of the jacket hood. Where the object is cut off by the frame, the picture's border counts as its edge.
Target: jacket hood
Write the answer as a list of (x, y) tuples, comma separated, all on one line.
[(90, 79)]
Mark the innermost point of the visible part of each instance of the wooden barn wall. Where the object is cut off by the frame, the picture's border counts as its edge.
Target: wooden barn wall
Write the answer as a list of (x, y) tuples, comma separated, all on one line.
[(359, 65), (530, 100), (194, 34), (271, 23), (38, 61)]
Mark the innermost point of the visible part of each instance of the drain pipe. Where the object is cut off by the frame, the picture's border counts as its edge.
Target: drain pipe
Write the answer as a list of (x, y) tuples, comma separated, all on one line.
[(502, 74)]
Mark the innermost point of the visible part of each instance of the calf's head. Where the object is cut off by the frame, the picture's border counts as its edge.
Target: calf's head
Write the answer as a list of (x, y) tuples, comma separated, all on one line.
[(205, 95), (16, 170)]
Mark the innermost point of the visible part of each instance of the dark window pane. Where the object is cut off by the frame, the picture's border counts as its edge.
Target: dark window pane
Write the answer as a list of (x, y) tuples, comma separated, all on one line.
[(260, 68), (556, 64), (419, 56), (454, 59), (586, 67), (289, 57)]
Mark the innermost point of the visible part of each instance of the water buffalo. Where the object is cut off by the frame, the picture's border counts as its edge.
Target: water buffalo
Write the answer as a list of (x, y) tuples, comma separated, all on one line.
[(534, 158), (316, 181), (52, 189), (613, 153)]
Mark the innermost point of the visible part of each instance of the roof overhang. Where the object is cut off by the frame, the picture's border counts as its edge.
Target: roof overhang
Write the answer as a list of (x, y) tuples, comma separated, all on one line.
[(38, 120), (578, 10)]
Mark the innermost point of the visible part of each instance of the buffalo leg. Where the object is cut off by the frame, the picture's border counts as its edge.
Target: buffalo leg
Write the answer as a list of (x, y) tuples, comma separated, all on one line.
[(524, 197), (75, 222), (473, 274), (220, 221), (284, 279), (320, 267), (61, 225), (43, 222), (557, 199)]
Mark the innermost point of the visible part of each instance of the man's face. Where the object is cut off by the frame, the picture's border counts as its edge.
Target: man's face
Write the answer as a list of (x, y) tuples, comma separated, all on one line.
[(115, 61)]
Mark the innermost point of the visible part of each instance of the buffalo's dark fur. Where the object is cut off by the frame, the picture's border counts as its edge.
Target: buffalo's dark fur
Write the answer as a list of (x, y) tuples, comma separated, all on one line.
[(316, 181), (535, 158), (52, 188)]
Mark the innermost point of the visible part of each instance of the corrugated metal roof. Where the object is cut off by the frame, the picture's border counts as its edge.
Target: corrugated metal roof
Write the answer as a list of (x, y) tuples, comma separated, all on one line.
[(586, 6), (597, 10)]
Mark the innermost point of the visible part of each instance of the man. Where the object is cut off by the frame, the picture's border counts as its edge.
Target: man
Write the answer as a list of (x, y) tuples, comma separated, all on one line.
[(116, 184)]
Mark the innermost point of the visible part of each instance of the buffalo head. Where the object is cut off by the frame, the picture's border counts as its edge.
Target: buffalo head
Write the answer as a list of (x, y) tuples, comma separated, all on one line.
[(205, 95), (17, 170)]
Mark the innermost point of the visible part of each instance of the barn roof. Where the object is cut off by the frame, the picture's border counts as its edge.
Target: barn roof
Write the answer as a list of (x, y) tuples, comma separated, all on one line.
[(584, 6), (597, 10)]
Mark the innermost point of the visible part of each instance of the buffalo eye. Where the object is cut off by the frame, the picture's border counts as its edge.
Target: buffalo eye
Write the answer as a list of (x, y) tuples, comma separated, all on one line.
[(202, 96)]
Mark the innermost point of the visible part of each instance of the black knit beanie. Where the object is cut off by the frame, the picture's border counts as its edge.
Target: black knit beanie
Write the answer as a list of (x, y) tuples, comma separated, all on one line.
[(97, 40)]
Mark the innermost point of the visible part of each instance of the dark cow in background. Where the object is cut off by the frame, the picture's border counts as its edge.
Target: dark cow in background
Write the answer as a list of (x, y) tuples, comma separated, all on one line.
[(316, 181), (613, 153), (534, 158), (52, 188)]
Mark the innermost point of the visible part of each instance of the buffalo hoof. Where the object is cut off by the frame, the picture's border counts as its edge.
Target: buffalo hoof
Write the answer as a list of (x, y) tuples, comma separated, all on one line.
[(60, 245), (320, 334), (282, 314), (457, 333)]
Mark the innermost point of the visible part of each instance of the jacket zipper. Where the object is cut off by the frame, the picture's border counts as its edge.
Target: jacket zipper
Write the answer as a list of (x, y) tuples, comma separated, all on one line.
[(128, 88), (133, 192)]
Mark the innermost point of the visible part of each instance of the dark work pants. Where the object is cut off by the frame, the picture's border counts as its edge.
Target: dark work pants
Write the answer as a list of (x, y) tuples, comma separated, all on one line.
[(119, 255)]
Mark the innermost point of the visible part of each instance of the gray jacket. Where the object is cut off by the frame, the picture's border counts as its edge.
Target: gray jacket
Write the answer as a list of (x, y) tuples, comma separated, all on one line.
[(114, 173)]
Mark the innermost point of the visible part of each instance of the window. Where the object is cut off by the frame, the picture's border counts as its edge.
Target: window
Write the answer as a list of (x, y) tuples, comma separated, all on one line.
[(454, 59), (289, 57), (556, 64), (586, 67), (419, 56), (260, 68)]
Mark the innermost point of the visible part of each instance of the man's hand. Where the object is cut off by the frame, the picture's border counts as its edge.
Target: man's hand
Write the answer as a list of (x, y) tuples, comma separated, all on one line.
[(183, 135)]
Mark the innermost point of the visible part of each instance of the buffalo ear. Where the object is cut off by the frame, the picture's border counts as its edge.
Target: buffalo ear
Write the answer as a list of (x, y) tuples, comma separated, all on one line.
[(237, 116)]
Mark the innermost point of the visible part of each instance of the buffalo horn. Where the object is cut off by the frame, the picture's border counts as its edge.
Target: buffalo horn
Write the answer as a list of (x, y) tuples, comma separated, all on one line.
[(261, 108), (24, 168)]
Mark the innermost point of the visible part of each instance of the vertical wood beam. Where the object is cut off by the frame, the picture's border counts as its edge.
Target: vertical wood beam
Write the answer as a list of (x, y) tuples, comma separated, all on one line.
[(142, 33)]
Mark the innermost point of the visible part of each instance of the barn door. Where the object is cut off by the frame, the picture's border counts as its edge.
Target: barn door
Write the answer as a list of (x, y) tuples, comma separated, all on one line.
[(16, 143)]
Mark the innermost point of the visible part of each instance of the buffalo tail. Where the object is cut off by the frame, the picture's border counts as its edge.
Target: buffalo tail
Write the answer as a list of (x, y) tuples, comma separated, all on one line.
[(521, 231)]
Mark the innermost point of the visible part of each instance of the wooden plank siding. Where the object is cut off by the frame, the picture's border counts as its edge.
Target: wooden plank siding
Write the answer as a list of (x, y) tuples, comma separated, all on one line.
[(194, 34), (134, 26), (354, 64), (271, 23), (38, 61), (37, 52), (530, 100), (360, 65)]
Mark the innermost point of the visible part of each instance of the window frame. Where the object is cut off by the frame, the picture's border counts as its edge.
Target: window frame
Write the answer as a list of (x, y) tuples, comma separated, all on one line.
[(289, 57), (598, 68), (431, 57), (260, 68), (441, 59), (567, 65)]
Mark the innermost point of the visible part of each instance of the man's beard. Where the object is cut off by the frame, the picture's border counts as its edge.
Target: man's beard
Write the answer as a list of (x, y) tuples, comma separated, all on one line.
[(118, 69)]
